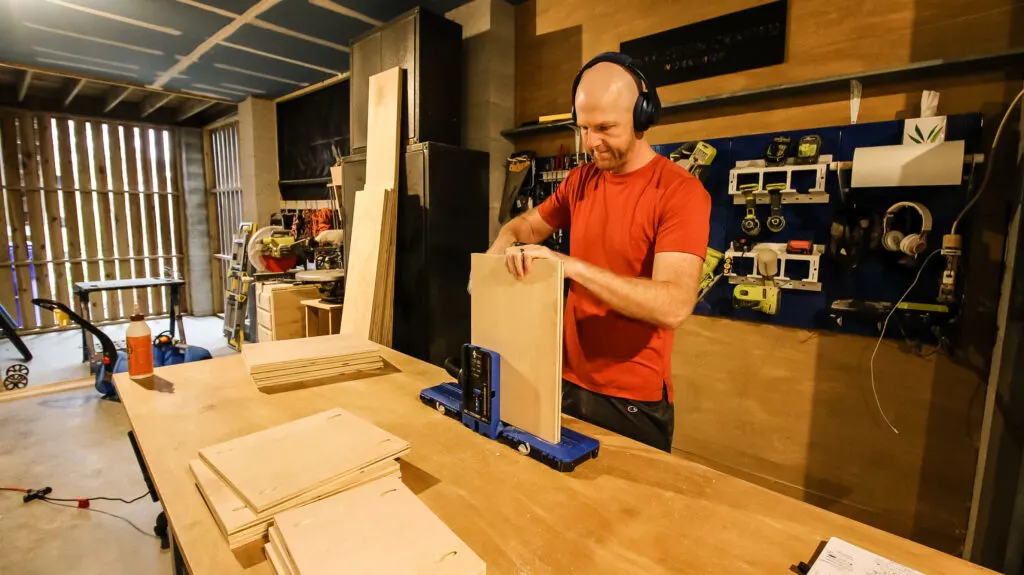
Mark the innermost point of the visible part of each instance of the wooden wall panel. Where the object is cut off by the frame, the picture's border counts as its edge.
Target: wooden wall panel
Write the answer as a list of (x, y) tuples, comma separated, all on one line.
[(90, 248), (163, 213), (7, 274), (36, 219), (156, 301), (213, 223), (825, 39), (70, 200), (120, 228), (179, 225), (105, 227), (51, 195), (16, 213), (793, 410), (138, 231)]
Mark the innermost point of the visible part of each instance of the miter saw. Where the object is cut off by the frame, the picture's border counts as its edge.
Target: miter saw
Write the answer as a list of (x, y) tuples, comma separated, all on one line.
[(275, 249)]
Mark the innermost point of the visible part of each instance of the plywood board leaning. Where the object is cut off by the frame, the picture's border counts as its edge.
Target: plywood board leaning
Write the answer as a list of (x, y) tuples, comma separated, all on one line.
[(522, 321), (379, 527), (383, 129), (361, 275), (306, 453), (369, 283)]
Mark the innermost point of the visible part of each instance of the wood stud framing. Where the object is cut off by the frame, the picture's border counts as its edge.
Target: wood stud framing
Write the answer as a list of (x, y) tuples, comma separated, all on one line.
[(73, 209)]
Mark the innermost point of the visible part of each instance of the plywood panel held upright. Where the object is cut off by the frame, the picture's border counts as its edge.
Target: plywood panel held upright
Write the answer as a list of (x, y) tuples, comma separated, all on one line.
[(527, 335)]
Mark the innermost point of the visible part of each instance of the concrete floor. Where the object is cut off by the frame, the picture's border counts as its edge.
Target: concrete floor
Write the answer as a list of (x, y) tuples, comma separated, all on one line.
[(58, 355), (75, 443)]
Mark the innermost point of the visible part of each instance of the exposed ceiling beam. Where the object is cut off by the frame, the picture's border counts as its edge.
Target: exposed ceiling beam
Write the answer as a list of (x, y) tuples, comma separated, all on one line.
[(75, 87), (26, 79), (267, 25), (114, 97), (335, 7), (281, 58), (64, 74), (313, 88), (150, 104), (193, 108), (117, 17), (218, 36)]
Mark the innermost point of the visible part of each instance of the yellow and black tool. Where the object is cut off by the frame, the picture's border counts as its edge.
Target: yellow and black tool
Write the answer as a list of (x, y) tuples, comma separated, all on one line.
[(695, 157), (765, 298), (775, 222), (750, 224), (708, 278)]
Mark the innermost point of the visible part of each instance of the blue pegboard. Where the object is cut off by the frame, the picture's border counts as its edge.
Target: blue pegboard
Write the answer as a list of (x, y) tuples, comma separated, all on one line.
[(880, 276)]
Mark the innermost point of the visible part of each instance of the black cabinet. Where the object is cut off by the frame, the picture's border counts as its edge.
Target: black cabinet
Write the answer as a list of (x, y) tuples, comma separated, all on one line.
[(442, 219), (429, 48)]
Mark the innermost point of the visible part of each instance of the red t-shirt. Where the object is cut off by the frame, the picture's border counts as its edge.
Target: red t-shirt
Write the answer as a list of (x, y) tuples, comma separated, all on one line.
[(618, 222)]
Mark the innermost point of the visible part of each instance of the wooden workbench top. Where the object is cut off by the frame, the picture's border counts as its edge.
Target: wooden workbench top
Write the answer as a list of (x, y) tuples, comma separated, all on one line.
[(632, 510)]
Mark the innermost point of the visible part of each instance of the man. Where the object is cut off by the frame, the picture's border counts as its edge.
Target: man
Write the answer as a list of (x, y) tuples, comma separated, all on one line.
[(638, 236)]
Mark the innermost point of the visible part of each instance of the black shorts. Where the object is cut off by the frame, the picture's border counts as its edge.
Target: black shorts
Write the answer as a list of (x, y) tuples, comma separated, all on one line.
[(650, 422)]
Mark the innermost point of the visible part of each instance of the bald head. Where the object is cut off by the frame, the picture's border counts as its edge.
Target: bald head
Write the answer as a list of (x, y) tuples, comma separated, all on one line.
[(604, 104), (607, 88)]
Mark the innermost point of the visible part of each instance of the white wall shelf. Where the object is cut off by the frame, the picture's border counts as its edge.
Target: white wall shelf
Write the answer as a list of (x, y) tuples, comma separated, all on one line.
[(815, 195), (809, 283)]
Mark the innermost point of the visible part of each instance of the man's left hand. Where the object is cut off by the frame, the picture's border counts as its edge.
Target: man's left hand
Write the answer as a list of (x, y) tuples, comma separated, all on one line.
[(518, 258)]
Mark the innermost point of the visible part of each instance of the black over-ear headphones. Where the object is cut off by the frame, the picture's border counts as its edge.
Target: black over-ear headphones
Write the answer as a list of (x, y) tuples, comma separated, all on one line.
[(647, 109)]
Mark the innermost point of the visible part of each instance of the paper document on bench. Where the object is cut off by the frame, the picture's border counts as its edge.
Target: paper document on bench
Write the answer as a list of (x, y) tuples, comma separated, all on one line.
[(842, 558)]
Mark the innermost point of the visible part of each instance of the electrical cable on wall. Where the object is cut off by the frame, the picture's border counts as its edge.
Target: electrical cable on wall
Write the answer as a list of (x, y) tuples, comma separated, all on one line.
[(885, 324), (989, 162)]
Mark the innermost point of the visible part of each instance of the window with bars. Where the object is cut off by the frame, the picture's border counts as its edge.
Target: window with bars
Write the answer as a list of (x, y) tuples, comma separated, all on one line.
[(86, 200), (225, 199)]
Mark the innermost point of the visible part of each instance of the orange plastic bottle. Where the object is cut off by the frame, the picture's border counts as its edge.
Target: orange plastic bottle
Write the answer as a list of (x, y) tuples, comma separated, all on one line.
[(140, 347)]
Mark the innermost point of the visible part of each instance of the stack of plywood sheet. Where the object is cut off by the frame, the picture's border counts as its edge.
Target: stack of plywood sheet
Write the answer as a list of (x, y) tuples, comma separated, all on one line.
[(309, 361), (378, 527), (370, 276), (246, 481)]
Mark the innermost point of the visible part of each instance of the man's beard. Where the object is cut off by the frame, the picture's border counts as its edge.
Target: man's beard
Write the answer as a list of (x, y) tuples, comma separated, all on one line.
[(608, 158)]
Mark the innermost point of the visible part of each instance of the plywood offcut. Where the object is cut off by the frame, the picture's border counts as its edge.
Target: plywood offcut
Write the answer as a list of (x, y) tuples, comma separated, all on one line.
[(277, 464)]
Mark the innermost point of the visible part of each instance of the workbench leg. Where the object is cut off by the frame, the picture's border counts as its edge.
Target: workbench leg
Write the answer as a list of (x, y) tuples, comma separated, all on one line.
[(177, 561), (175, 317), (83, 311)]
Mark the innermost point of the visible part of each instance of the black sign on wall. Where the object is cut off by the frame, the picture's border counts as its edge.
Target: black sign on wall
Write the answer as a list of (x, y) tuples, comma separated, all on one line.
[(743, 40)]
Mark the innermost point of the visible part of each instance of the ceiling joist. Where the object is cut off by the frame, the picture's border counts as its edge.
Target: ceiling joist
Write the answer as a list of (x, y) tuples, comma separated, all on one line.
[(217, 37), (114, 97), (152, 103), (191, 109), (26, 79), (63, 74), (73, 90)]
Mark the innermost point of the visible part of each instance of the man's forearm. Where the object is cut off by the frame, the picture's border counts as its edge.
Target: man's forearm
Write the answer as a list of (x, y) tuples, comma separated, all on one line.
[(516, 230), (656, 302)]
